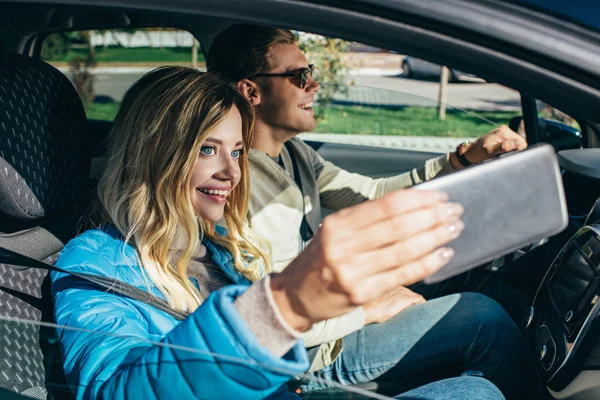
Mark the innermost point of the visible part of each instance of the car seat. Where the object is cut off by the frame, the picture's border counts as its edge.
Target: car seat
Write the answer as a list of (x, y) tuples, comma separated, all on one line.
[(44, 168)]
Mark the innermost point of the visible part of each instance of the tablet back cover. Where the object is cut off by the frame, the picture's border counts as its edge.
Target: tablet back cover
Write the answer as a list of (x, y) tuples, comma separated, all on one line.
[(509, 202)]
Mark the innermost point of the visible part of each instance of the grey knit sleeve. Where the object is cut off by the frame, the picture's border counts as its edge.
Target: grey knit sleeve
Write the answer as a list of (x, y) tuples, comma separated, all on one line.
[(258, 309)]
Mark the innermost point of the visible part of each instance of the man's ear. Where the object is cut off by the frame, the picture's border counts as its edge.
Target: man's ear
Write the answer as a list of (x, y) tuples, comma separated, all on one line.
[(250, 91)]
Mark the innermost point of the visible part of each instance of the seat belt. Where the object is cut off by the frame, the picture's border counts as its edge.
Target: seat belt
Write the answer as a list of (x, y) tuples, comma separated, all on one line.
[(306, 231), (19, 262)]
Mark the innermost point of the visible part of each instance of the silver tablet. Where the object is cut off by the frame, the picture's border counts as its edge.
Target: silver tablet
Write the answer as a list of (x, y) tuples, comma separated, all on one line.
[(510, 202)]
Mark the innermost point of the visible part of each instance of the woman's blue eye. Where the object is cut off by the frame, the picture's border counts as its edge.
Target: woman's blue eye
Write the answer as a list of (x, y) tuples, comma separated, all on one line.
[(237, 153), (208, 150)]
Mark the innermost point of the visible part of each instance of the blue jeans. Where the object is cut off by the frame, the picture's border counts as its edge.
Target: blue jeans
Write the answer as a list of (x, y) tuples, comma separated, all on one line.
[(478, 280), (435, 340), (463, 388)]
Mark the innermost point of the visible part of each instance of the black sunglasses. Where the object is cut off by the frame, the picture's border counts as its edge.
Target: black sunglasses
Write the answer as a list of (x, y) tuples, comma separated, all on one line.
[(303, 75)]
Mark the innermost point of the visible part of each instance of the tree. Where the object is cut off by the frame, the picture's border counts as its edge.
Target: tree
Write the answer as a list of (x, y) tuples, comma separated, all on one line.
[(547, 111), (104, 34), (88, 37), (444, 74), (55, 46), (194, 53), (330, 69), (81, 75), (118, 34)]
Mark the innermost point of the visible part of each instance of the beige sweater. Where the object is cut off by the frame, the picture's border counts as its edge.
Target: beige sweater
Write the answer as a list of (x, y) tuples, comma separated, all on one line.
[(276, 210)]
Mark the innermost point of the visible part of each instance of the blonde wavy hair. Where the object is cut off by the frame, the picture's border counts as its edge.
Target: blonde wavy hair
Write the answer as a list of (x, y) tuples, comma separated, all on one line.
[(144, 192)]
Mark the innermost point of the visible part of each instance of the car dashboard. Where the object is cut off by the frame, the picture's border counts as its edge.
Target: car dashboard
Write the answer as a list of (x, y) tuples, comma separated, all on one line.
[(562, 326)]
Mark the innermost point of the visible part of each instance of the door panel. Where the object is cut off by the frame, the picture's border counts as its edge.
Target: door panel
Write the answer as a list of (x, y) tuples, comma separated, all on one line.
[(376, 162)]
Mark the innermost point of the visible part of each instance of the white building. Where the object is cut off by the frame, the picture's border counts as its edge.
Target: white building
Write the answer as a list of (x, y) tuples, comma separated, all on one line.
[(144, 38)]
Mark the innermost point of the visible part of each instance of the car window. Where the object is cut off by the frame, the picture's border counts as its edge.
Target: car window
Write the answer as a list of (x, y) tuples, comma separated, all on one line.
[(102, 64), (393, 119), (22, 365), (374, 97), (557, 128)]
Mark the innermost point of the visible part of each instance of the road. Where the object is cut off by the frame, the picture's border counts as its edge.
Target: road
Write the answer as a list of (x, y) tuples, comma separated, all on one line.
[(380, 90)]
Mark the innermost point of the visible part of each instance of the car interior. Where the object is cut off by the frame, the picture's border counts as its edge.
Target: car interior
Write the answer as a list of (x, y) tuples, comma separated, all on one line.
[(47, 145)]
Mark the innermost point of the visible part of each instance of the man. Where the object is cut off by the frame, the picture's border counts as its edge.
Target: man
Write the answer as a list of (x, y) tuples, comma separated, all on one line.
[(290, 182)]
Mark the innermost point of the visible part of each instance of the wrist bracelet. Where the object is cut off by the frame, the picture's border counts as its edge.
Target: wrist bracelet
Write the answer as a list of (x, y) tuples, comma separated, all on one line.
[(461, 157)]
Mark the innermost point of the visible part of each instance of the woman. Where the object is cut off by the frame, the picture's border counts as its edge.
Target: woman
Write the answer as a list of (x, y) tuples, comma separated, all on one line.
[(176, 166)]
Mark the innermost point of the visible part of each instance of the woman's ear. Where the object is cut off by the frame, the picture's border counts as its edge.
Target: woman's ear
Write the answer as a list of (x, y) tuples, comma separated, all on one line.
[(249, 90)]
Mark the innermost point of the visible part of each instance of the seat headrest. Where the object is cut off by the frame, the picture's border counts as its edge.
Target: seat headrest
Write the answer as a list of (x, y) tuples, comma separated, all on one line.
[(43, 157)]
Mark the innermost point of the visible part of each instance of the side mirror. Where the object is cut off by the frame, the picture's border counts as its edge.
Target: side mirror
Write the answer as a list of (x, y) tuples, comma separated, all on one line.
[(558, 134)]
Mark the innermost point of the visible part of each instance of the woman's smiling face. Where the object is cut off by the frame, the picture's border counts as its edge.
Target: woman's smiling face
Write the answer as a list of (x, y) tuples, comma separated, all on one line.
[(217, 168)]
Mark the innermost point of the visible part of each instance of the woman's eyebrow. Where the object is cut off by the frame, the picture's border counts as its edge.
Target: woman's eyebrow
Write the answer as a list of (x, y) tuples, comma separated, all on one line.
[(220, 142)]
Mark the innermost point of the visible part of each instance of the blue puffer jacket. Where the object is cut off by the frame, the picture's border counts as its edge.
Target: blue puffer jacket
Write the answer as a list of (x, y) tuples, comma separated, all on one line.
[(128, 355)]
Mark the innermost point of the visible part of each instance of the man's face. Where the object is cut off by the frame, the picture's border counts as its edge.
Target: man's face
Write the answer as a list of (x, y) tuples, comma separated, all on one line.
[(284, 106)]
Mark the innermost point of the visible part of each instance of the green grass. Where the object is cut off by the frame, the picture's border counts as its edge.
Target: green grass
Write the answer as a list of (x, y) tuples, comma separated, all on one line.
[(413, 121), (104, 111), (135, 54)]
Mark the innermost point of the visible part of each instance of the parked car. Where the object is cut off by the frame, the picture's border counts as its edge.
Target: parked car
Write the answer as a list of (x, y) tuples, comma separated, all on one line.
[(545, 50), (417, 68)]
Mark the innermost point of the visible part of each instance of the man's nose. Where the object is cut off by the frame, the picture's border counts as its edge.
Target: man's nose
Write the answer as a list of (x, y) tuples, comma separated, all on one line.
[(312, 85)]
